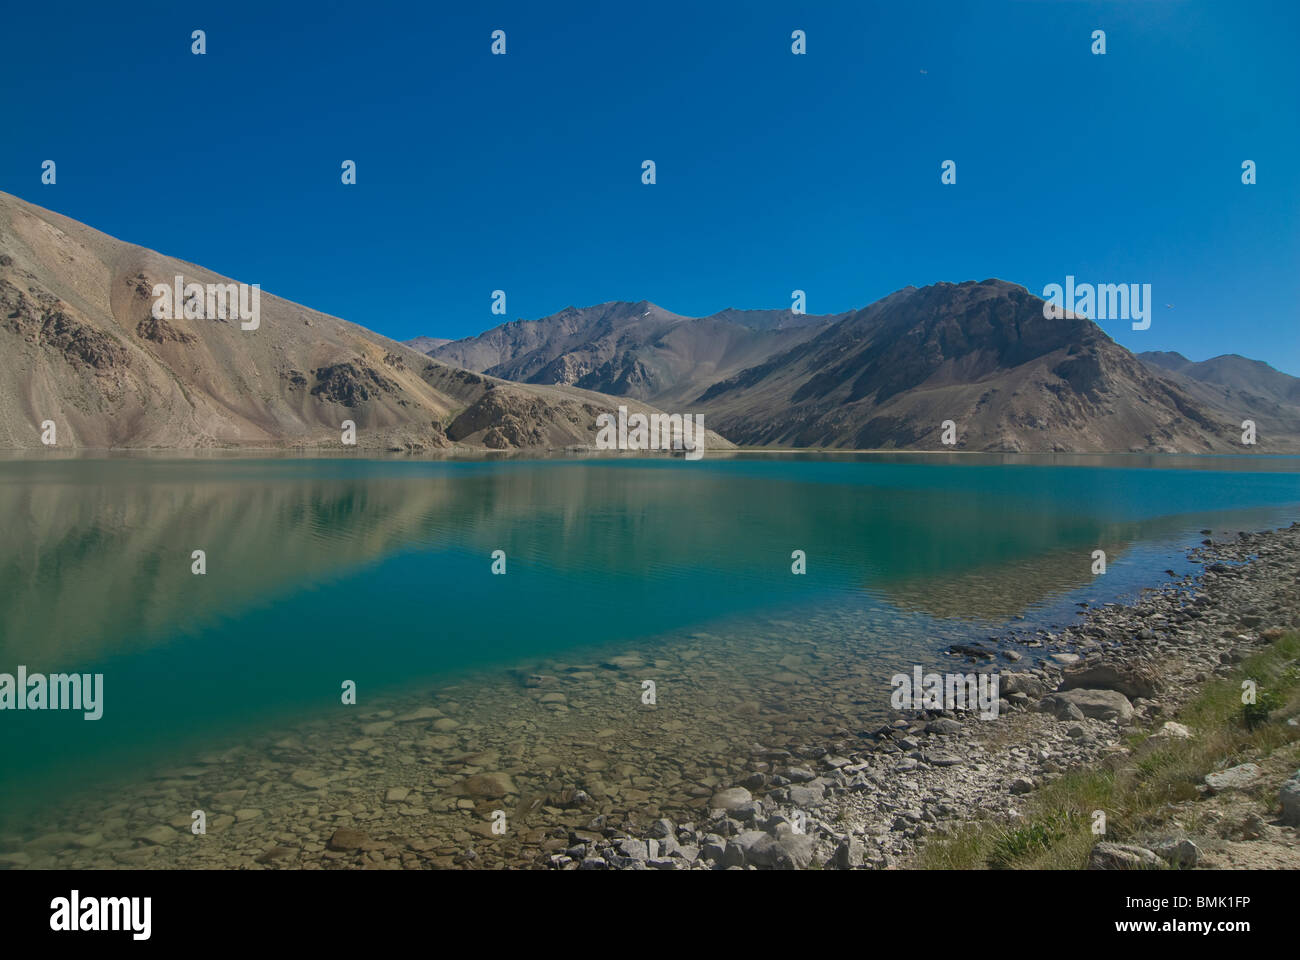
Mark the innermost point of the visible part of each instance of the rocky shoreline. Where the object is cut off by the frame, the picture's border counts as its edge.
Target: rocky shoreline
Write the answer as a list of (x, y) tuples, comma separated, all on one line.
[(872, 802)]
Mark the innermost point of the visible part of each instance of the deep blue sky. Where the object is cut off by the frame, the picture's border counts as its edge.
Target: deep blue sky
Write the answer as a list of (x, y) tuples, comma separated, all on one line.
[(775, 171)]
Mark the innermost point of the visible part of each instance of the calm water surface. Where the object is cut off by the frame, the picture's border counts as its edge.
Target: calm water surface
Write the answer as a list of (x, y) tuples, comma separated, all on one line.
[(379, 572)]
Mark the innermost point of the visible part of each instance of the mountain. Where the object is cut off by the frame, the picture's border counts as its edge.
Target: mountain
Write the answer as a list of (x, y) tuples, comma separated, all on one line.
[(82, 348), (1246, 389), (887, 376), (980, 354), (425, 344), (633, 350), (1235, 373)]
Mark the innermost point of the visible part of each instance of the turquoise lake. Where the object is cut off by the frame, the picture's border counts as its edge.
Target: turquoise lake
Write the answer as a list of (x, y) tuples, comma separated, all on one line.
[(320, 571)]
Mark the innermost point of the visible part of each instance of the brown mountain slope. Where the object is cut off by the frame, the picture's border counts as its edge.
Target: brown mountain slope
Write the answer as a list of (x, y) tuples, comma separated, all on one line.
[(80, 347), (634, 350), (981, 355)]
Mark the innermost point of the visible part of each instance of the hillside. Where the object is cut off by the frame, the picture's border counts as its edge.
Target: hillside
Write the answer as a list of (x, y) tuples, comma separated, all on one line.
[(82, 348)]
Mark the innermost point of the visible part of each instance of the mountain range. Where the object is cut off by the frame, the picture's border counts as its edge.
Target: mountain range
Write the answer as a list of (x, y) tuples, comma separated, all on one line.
[(982, 355), (82, 347)]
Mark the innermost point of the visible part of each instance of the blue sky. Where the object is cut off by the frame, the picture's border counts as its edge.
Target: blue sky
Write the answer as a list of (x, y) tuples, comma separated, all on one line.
[(775, 172)]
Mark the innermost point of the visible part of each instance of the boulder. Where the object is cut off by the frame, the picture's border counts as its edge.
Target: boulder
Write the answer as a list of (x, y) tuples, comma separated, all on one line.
[(1180, 853), (1241, 777), (1122, 856), (1025, 683), (806, 795), (1131, 679), (790, 851), (1290, 797), (1021, 785), (1098, 704), (1173, 731), (943, 725), (849, 854)]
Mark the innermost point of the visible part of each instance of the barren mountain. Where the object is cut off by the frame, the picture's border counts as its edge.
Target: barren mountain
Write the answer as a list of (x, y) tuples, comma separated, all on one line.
[(979, 354), (1244, 389), (82, 348), (1235, 373), (632, 349), (889, 375)]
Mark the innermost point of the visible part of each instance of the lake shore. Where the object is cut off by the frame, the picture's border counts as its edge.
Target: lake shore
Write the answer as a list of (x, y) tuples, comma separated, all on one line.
[(877, 801)]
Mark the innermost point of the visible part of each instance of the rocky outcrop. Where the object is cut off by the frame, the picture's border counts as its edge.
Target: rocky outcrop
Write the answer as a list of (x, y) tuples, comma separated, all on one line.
[(351, 383)]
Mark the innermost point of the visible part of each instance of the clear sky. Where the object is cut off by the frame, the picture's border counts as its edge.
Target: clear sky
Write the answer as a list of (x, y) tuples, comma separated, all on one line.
[(774, 171)]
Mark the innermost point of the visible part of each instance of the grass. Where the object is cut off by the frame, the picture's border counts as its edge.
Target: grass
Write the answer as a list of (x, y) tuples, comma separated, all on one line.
[(1137, 796)]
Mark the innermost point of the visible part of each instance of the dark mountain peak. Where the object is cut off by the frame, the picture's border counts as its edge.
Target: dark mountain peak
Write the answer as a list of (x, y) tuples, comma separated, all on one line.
[(944, 332)]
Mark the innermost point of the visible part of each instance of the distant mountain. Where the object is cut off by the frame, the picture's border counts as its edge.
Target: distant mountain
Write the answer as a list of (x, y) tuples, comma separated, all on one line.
[(632, 349), (425, 344), (81, 347), (1233, 372), (1245, 389), (887, 376)]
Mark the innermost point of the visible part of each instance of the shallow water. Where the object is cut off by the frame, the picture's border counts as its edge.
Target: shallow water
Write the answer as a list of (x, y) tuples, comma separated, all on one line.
[(380, 572)]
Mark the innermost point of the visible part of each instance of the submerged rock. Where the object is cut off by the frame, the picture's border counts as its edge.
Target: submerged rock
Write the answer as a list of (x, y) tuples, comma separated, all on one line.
[(731, 799), (347, 839), (488, 785)]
